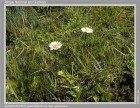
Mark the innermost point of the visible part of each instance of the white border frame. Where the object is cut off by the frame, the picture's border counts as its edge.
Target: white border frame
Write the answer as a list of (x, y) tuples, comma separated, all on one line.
[(65, 103)]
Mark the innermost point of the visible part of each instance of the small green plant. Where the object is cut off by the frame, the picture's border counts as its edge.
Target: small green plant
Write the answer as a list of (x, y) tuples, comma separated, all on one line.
[(69, 81)]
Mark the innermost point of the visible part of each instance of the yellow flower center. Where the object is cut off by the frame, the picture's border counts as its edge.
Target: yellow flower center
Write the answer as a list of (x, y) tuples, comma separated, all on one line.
[(55, 46), (87, 30)]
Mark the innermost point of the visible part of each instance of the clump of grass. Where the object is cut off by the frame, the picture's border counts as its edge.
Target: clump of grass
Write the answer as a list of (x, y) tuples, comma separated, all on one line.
[(89, 67)]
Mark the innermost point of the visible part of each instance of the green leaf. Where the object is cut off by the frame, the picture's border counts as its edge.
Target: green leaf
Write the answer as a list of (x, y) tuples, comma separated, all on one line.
[(61, 73), (71, 81), (73, 94), (96, 98)]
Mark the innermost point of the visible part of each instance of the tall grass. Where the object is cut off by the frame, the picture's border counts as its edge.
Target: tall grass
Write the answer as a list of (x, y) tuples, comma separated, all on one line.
[(97, 67)]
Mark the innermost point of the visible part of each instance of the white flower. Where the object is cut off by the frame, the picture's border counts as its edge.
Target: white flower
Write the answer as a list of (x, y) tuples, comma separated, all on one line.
[(55, 45), (87, 30)]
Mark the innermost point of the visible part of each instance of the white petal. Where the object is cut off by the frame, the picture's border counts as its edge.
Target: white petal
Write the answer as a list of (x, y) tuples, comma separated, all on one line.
[(90, 31), (83, 29), (50, 45), (51, 48)]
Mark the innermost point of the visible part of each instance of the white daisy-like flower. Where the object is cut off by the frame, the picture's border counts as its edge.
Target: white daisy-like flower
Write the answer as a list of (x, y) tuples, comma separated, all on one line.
[(87, 30), (55, 45)]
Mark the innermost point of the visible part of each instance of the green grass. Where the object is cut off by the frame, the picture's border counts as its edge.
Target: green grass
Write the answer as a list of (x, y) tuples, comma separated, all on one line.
[(96, 67)]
